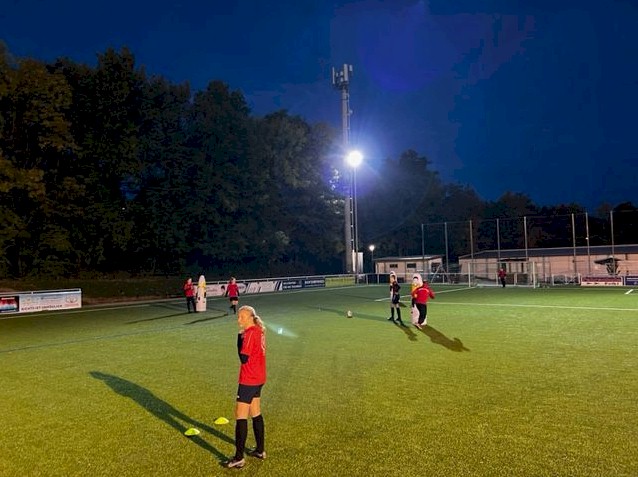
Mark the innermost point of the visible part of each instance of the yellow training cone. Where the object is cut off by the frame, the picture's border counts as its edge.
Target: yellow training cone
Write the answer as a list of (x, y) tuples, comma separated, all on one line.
[(221, 420), (191, 432)]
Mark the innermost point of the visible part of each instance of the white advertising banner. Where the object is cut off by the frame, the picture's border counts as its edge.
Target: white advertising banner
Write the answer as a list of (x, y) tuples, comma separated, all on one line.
[(27, 302), (602, 281)]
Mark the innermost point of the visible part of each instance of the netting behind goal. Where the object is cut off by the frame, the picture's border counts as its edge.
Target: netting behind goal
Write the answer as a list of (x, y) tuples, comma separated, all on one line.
[(517, 273)]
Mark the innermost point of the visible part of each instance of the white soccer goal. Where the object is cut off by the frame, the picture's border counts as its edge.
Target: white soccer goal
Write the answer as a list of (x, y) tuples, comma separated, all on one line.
[(518, 273)]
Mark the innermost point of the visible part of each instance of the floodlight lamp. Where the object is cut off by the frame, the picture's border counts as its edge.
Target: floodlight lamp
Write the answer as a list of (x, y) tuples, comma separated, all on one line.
[(371, 248), (354, 159)]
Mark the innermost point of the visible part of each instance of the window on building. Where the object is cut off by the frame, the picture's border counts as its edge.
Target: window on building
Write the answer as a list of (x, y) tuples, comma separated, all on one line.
[(394, 265), (411, 265)]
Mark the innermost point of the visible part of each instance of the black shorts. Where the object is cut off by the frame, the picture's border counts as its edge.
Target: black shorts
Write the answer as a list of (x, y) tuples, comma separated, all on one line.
[(395, 299), (247, 393), (233, 299)]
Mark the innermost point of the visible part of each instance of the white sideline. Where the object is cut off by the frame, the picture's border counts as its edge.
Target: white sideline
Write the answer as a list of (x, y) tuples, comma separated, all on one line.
[(562, 307), (437, 292), (629, 291)]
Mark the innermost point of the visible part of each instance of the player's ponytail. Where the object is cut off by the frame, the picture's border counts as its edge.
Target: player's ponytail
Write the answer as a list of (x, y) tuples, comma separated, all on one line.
[(258, 321)]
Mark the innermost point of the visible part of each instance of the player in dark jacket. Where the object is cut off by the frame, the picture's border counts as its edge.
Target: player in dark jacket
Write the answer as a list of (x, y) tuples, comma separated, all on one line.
[(395, 299)]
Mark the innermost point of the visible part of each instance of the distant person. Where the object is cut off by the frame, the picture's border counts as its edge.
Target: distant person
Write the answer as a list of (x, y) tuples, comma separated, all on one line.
[(251, 345), (421, 296), (232, 292), (189, 292), (395, 299), (501, 276)]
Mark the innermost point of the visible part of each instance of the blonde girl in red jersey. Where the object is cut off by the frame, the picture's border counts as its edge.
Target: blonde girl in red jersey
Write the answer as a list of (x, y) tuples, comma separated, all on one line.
[(251, 346)]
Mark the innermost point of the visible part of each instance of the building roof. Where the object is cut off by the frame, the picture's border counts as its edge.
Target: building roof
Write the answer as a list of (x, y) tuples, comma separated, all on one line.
[(407, 259), (517, 254)]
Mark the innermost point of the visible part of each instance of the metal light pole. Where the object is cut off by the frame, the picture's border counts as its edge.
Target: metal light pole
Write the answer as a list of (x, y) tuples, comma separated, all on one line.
[(588, 244), (354, 160), (341, 81), (371, 248)]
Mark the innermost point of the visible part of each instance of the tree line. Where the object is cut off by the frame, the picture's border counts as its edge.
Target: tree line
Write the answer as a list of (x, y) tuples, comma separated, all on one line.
[(107, 169)]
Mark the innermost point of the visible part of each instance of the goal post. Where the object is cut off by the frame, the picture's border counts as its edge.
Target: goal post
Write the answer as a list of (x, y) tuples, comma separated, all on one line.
[(521, 273)]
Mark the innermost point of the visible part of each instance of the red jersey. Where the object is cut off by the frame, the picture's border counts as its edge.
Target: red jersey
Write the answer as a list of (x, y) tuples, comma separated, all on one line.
[(422, 294), (232, 290), (189, 289), (252, 343)]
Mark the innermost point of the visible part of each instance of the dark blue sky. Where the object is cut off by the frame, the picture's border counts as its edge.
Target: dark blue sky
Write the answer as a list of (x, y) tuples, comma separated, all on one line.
[(533, 96)]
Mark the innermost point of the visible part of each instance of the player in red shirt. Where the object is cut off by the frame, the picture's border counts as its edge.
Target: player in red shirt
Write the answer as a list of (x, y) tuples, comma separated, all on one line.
[(232, 292), (501, 276), (251, 345), (420, 296), (189, 292)]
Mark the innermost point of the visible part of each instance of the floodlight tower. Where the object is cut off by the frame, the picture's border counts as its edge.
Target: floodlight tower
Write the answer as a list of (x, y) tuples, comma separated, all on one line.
[(341, 81)]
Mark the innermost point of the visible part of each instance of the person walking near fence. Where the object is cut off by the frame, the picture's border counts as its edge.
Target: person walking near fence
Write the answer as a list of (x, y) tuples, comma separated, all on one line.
[(251, 346), (421, 296)]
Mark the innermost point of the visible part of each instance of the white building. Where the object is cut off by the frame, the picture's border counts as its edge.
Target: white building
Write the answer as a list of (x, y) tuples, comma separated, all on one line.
[(405, 267), (573, 262)]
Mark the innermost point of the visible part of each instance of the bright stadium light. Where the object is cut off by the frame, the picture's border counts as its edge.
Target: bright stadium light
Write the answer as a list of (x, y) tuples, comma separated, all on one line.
[(354, 159), (371, 248)]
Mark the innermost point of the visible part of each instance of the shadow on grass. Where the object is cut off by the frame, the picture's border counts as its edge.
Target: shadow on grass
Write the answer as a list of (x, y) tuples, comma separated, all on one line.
[(407, 330), (163, 411), (156, 318), (439, 338), (361, 316), (221, 314)]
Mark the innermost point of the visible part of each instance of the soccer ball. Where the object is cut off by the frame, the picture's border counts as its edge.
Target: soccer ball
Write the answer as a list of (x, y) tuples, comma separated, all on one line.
[(348, 314)]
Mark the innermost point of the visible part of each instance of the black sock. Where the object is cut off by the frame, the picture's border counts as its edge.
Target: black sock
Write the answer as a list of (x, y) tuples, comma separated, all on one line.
[(399, 314), (241, 432), (258, 428), (392, 312)]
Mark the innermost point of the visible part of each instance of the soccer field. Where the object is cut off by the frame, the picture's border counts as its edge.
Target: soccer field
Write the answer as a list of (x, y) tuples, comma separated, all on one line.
[(502, 382)]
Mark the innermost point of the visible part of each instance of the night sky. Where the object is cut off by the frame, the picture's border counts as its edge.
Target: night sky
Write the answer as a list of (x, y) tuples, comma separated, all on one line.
[(532, 96)]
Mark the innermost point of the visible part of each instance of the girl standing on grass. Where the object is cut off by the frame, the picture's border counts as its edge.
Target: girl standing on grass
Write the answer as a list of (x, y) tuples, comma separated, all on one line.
[(232, 292), (189, 292), (421, 295), (395, 299), (251, 345)]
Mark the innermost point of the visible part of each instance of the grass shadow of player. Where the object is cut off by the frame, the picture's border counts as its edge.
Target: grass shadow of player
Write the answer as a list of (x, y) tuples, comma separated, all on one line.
[(221, 314), (439, 338), (362, 316), (407, 330), (163, 410), (155, 318)]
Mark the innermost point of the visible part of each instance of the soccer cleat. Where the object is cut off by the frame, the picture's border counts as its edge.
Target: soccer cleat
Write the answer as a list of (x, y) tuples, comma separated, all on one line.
[(418, 326), (257, 455), (235, 463), (391, 318)]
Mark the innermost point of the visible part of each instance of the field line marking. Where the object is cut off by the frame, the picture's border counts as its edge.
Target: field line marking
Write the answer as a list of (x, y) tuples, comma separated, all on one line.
[(629, 291), (437, 292), (562, 307)]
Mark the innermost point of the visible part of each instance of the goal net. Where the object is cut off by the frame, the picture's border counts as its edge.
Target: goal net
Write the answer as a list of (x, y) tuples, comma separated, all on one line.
[(517, 273)]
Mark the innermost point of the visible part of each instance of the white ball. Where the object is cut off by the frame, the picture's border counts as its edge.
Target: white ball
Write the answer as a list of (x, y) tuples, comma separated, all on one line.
[(349, 314)]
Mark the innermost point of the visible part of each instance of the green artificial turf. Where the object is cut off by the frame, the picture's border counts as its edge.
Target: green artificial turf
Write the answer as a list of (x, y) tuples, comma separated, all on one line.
[(503, 382)]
